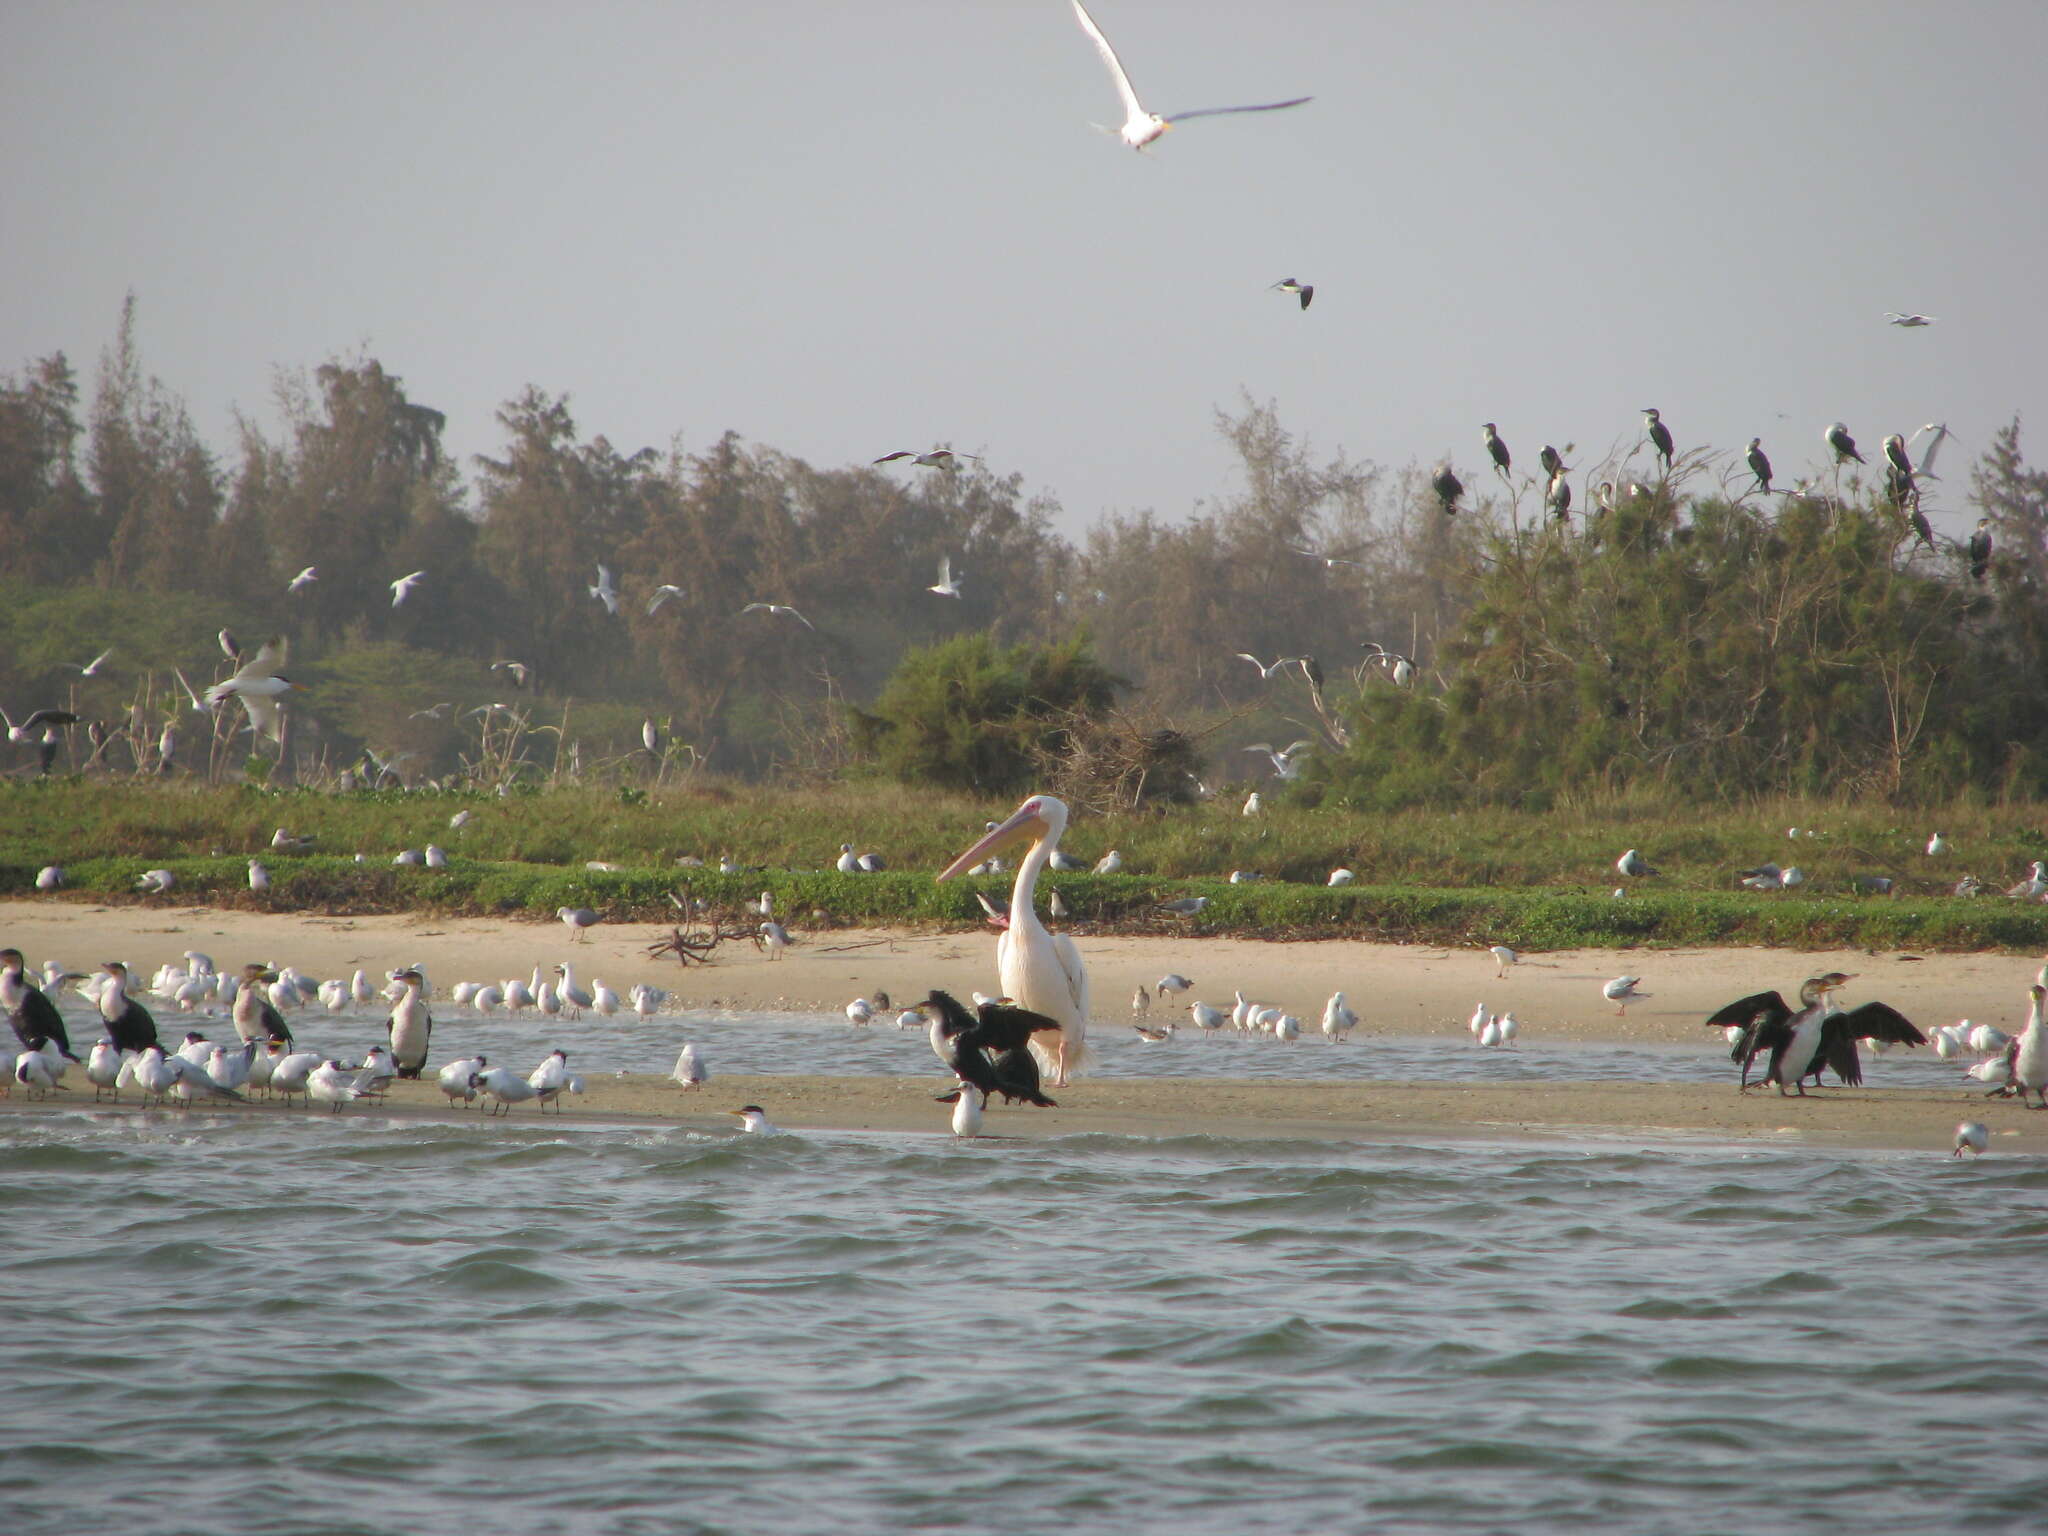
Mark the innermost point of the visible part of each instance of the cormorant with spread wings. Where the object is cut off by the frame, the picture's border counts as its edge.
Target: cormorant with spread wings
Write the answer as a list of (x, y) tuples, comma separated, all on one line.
[(989, 1049), (1818, 1034)]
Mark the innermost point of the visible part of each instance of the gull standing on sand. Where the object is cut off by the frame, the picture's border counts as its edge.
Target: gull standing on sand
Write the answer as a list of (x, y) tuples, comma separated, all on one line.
[(689, 1070), (1622, 991), (1338, 1019), (578, 920), (1503, 957), (1141, 127), (1042, 972)]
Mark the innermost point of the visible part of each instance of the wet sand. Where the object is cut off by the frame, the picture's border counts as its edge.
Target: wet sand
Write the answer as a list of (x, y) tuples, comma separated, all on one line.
[(1397, 990)]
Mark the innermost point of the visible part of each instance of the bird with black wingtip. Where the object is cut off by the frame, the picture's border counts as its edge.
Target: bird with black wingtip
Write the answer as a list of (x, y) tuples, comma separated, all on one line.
[(990, 1048), (256, 1017), (33, 1016), (129, 1025), (1817, 1034)]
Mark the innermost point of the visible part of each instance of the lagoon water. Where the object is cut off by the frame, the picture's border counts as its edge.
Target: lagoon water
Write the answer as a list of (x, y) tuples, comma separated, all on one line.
[(309, 1324)]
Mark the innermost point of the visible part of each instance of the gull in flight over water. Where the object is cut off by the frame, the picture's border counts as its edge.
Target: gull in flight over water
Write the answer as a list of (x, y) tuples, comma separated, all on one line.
[(777, 610), (1141, 127), (948, 583), (605, 591), (938, 458), (401, 589)]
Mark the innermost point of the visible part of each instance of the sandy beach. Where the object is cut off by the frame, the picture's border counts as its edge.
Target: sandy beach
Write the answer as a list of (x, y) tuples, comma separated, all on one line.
[(1396, 990)]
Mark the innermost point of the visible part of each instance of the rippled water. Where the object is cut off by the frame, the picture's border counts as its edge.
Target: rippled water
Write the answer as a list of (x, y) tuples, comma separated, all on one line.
[(773, 1042), (299, 1324)]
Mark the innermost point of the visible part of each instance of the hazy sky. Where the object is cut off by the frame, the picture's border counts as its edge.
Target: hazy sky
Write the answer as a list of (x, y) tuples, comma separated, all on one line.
[(843, 228)]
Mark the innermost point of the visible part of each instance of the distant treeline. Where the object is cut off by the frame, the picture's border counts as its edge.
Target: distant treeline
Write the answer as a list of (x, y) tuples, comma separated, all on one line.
[(1726, 647)]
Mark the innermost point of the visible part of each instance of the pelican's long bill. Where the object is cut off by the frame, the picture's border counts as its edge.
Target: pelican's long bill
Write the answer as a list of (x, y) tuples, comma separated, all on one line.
[(1026, 819)]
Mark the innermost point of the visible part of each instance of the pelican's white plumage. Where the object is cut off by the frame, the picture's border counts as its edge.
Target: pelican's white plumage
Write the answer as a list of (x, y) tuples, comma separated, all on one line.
[(1141, 127), (1040, 971)]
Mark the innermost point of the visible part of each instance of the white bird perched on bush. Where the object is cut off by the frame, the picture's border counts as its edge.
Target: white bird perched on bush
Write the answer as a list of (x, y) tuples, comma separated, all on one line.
[(1109, 863), (259, 877), (155, 880), (1340, 877)]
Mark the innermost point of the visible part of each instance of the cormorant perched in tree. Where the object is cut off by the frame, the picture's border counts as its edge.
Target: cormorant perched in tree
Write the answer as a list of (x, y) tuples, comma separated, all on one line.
[(1448, 488), (1659, 434), (1979, 549), (1495, 448), (1760, 465)]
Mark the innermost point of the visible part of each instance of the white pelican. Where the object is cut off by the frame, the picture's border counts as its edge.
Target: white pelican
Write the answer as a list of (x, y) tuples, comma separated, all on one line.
[(948, 584), (1040, 972), (1141, 127), (605, 590), (259, 685), (303, 580), (2030, 1053)]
